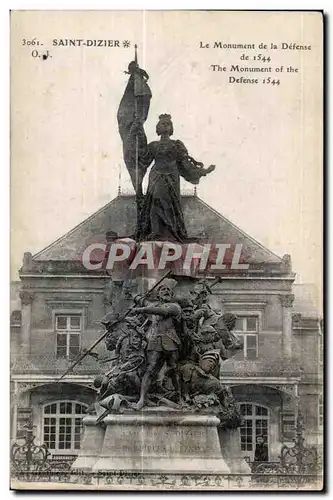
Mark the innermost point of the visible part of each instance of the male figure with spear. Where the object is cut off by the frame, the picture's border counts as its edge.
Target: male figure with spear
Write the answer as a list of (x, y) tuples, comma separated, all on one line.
[(132, 309), (164, 343)]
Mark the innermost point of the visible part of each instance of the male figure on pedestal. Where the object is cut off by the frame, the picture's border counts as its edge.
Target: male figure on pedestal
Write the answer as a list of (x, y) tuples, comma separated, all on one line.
[(125, 375), (164, 342), (206, 328)]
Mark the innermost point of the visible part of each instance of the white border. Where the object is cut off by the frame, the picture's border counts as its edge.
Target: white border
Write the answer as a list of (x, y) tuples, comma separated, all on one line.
[(4, 197)]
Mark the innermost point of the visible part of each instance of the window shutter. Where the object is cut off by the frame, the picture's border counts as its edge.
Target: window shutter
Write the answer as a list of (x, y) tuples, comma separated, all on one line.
[(23, 417), (287, 425)]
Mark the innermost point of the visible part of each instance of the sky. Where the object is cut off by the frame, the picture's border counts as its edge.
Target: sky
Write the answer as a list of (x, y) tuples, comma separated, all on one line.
[(265, 140)]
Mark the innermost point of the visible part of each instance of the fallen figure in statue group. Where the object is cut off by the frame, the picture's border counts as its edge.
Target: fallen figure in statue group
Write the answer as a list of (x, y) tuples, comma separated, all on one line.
[(201, 392)]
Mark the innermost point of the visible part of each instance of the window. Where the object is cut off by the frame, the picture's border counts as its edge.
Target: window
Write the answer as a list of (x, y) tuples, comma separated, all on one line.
[(288, 425), (62, 425), (16, 318), (68, 329), (255, 423), (247, 329)]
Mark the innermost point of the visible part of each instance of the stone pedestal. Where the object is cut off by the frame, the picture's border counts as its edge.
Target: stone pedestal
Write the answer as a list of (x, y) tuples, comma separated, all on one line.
[(230, 448), (153, 441), (92, 444)]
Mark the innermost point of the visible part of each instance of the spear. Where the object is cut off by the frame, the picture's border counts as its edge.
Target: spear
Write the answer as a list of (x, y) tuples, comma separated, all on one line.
[(217, 280), (121, 318)]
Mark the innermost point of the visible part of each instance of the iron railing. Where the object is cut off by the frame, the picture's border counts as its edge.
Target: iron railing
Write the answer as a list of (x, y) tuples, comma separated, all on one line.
[(298, 467)]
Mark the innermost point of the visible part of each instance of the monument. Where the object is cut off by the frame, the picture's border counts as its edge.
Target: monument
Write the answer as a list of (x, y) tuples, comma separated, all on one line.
[(160, 399)]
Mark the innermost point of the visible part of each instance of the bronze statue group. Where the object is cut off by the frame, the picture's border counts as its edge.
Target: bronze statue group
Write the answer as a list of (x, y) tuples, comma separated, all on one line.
[(168, 352)]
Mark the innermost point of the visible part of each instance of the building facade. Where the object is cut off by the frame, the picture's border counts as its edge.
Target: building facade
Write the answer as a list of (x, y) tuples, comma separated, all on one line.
[(61, 303)]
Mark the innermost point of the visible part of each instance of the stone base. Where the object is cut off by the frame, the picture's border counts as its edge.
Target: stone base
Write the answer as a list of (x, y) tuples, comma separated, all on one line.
[(230, 448), (92, 444), (152, 440)]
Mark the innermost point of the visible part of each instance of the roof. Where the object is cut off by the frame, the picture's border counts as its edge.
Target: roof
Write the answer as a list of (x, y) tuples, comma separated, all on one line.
[(119, 215)]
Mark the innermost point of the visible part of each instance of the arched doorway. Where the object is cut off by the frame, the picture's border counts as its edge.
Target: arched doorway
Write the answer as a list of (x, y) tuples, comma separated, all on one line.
[(255, 423), (62, 426)]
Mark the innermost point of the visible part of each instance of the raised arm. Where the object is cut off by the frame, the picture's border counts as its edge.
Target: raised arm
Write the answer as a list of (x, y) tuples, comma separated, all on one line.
[(189, 168), (166, 310)]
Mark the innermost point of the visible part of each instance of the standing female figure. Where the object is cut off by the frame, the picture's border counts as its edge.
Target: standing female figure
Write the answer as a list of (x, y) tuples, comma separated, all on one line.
[(161, 214)]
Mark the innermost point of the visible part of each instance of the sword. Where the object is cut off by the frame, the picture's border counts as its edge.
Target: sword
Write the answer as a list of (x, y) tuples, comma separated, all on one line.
[(102, 337)]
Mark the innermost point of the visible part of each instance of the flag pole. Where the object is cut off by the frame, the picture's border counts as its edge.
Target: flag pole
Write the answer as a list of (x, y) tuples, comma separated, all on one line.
[(136, 138), (137, 194)]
